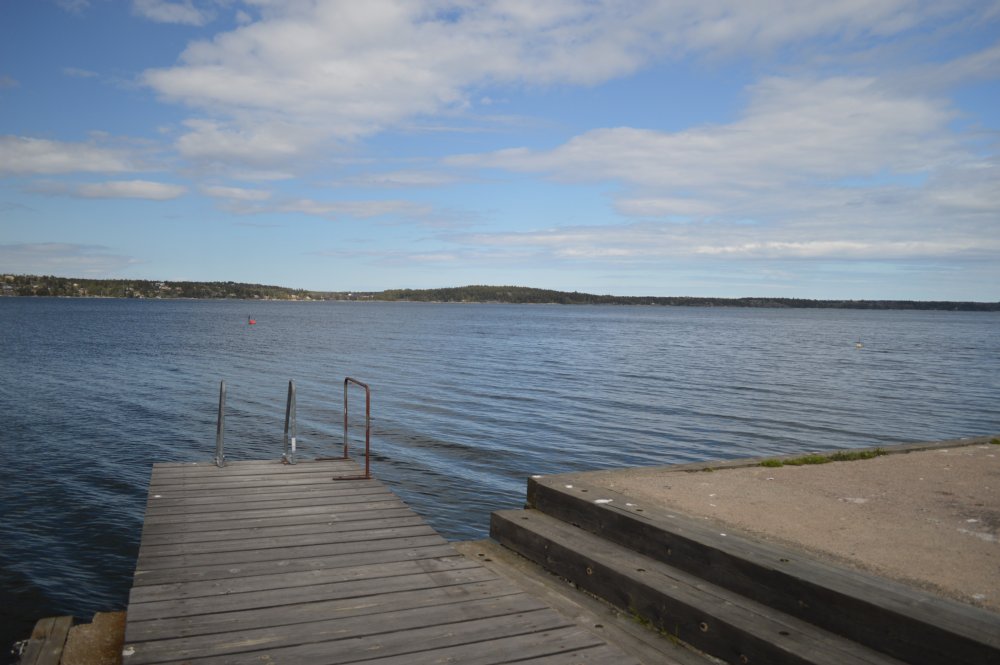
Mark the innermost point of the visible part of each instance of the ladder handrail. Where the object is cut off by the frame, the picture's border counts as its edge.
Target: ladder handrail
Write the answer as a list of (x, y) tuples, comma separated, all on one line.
[(289, 439), (288, 452), (368, 422), (220, 426)]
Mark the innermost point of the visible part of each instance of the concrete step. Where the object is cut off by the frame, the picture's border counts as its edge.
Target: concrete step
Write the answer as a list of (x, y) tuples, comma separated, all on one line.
[(717, 621), (887, 616)]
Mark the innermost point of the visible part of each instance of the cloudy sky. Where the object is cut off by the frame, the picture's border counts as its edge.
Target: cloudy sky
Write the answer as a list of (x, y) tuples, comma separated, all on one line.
[(799, 148)]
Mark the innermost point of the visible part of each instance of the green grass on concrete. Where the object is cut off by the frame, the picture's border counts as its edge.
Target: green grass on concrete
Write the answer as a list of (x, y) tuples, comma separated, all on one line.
[(839, 456)]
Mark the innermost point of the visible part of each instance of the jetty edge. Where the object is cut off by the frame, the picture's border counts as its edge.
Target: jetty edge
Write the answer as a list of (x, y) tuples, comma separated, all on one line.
[(735, 595)]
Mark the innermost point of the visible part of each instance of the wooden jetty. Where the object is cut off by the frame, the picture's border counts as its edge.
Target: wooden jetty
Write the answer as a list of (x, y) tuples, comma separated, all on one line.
[(265, 562)]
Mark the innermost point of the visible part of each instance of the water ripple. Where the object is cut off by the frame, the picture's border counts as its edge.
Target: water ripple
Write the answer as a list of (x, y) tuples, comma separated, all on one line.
[(468, 401)]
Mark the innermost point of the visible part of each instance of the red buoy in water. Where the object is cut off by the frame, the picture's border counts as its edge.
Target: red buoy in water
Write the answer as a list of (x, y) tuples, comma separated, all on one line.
[(251, 321)]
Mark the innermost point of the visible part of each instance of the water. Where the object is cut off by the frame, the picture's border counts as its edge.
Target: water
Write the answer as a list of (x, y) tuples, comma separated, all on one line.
[(468, 401)]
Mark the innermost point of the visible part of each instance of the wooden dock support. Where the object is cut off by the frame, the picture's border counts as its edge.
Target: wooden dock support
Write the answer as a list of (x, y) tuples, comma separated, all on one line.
[(45, 646)]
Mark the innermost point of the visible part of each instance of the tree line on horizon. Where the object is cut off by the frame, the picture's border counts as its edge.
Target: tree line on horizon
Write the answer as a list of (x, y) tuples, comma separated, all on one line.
[(528, 295), (78, 287), (49, 285)]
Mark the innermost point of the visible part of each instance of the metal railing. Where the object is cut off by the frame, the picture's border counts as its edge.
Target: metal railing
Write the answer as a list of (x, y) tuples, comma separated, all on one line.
[(220, 426), (368, 423), (288, 444), (289, 438)]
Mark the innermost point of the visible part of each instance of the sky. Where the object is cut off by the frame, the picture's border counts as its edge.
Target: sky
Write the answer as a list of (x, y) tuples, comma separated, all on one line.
[(783, 148)]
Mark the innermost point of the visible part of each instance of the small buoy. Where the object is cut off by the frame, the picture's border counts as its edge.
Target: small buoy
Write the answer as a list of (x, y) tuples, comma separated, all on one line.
[(251, 321), (859, 345)]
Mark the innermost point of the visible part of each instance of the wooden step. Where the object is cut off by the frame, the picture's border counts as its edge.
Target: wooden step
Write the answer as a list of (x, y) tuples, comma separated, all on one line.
[(714, 620), (589, 612), (45, 647), (902, 621)]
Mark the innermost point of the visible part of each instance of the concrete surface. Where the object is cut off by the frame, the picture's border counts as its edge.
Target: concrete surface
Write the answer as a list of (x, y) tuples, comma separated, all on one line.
[(96, 643), (925, 517)]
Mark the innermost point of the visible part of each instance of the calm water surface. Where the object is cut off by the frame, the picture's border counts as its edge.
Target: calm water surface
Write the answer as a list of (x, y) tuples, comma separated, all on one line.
[(468, 401)]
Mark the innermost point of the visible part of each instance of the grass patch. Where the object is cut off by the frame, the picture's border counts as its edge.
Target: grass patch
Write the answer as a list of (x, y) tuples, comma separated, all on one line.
[(646, 623), (995, 441), (839, 456)]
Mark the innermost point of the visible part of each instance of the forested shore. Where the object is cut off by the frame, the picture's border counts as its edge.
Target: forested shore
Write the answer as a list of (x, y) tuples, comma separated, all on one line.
[(48, 285)]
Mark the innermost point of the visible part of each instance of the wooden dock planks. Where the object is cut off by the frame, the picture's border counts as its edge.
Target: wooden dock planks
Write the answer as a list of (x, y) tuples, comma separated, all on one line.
[(261, 562)]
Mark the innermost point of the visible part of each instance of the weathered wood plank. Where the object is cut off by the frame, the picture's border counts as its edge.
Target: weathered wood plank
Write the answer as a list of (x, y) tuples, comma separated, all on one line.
[(227, 479), (235, 477), (253, 501), (48, 638), (346, 560), (187, 607), (313, 515), (209, 463), (264, 562), (598, 655), (408, 642), (309, 515), (269, 548), (290, 580), (211, 486), (397, 528), (573, 643), (366, 606), (237, 467), (334, 549), (347, 502), (221, 497), (276, 637), (208, 484), (239, 534)]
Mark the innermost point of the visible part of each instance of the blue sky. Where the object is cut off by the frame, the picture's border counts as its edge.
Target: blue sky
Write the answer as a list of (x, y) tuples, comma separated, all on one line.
[(800, 148)]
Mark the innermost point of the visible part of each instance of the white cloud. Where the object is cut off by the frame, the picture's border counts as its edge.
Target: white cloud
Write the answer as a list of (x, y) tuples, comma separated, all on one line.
[(74, 6), (396, 179), (162, 11), (664, 207), (262, 145), (842, 168), (62, 259), (982, 65), (793, 131), (361, 209), (76, 72), (8, 82), (237, 193), (338, 70), (24, 155), (659, 242), (131, 189)]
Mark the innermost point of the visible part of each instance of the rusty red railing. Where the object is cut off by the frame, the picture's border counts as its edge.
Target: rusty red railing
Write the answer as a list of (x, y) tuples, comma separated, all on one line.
[(368, 423)]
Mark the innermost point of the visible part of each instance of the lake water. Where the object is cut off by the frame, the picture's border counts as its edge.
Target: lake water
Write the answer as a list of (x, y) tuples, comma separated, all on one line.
[(468, 400)]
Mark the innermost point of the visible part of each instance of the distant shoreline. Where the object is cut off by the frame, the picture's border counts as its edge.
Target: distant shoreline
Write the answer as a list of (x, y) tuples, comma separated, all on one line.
[(68, 287)]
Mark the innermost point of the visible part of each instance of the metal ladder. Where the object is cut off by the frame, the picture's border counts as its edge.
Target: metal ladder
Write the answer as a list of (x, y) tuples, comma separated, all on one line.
[(289, 438)]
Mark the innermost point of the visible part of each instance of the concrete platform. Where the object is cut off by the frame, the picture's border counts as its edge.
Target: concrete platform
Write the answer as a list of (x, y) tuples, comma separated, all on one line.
[(926, 515), (744, 597)]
